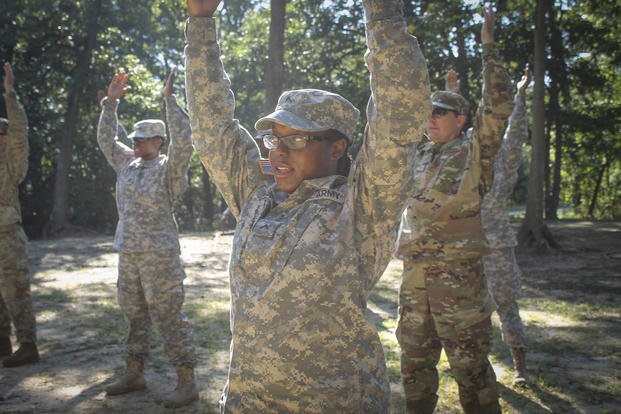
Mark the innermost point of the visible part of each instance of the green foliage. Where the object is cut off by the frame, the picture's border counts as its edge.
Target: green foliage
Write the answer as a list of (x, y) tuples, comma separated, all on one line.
[(324, 48)]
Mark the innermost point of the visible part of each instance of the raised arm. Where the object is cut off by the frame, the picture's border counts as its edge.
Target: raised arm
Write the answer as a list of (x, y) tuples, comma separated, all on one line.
[(508, 161), (397, 112), (180, 145), (17, 146), (496, 103), (226, 149), (117, 153)]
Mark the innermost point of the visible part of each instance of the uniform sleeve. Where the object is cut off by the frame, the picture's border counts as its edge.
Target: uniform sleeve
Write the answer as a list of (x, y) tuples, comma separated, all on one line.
[(397, 113), (494, 109), (117, 153), (179, 148), (509, 157), (17, 145), (226, 149)]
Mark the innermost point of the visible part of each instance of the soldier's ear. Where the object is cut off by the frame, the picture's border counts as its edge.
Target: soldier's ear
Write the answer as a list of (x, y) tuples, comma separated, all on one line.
[(461, 121)]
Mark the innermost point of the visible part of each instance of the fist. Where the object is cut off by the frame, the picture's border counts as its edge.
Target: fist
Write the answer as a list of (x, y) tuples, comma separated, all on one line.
[(202, 8)]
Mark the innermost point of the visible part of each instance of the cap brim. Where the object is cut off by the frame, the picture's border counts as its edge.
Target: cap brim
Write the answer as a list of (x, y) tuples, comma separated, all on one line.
[(288, 119), (134, 135), (445, 106)]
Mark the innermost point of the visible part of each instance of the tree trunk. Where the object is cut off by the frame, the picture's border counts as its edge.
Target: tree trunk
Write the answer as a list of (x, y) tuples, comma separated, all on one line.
[(598, 185), (558, 82), (534, 232), (58, 221), (274, 71)]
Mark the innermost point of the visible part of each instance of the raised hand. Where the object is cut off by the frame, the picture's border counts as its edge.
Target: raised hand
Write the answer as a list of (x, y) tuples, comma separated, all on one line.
[(168, 87), (451, 81), (118, 86), (525, 81), (9, 78), (202, 8), (489, 19)]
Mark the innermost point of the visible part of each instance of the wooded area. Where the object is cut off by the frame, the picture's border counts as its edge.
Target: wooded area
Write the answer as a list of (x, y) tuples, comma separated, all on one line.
[(64, 51)]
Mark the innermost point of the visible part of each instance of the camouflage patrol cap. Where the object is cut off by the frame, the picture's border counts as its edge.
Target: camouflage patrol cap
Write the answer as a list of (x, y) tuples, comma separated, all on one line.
[(313, 110), (450, 100), (149, 128)]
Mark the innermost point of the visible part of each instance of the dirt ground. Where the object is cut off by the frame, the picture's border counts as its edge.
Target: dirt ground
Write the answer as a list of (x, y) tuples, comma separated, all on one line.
[(571, 306)]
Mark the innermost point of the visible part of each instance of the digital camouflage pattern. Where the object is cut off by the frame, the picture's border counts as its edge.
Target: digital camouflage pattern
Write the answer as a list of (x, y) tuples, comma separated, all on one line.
[(147, 190), (494, 207), (303, 264), (443, 293), (150, 286), (504, 282), (313, 110), (501, 269), (150, 283), (13, 161), (15, 298)]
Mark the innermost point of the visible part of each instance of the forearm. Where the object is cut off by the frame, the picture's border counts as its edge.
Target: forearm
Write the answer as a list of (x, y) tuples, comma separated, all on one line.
[(226, 149), (17, 146), (496, 105), (106, 134), (180, 146), (397, 113), (515, 136)]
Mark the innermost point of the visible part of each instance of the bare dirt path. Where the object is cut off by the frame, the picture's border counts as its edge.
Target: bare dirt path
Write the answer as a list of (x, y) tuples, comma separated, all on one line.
[(571, 304)]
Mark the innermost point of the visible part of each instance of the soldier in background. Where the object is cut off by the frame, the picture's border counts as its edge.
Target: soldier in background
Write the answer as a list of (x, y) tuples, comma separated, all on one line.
[(443, 298), (501, 269), (150, 283), (15, 299), (313, 238)]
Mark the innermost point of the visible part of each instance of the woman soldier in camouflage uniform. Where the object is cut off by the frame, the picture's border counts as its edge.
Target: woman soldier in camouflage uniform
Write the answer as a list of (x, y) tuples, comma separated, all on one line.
[(501, 268), (150, 284), (443, 298), (309, 247), (15, 298)]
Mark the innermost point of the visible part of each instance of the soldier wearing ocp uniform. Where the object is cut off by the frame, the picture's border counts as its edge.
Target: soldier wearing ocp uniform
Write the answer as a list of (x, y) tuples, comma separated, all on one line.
[(443, 298), (15, 298), (309, 247), (150, 282)]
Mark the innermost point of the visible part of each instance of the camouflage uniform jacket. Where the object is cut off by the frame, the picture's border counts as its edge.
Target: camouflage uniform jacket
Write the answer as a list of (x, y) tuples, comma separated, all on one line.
[(147, 190), (303, 264), (494, 209), (444, 214), (13, 161)]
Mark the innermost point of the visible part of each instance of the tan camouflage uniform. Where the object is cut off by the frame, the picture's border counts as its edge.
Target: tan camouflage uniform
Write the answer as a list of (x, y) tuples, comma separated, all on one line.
[(303, 264), (150, 283), (443, 300), (15, 299), (501, 269)]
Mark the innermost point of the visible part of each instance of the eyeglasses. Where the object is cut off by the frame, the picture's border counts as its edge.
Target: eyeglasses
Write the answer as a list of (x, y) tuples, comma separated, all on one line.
[(292, 142), (438, 112)]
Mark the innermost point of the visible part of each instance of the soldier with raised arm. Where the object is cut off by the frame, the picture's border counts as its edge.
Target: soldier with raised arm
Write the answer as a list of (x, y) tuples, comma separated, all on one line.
[(150, 282), (443, 299), (501, 268), (312, 239), (15, 298)]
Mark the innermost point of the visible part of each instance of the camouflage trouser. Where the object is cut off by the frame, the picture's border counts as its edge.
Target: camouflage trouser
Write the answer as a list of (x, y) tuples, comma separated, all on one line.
[(429, 305), (150, 286), (503, 279), (15, 299)]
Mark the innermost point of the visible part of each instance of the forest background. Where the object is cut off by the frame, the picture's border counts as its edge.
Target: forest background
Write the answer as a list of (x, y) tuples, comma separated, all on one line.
[(64, 51)]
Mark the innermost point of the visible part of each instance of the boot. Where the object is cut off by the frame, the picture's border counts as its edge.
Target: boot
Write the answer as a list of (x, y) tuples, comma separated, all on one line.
[(5, 346), (519, 363), (26, 354), (186, 391), (133, 380)]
